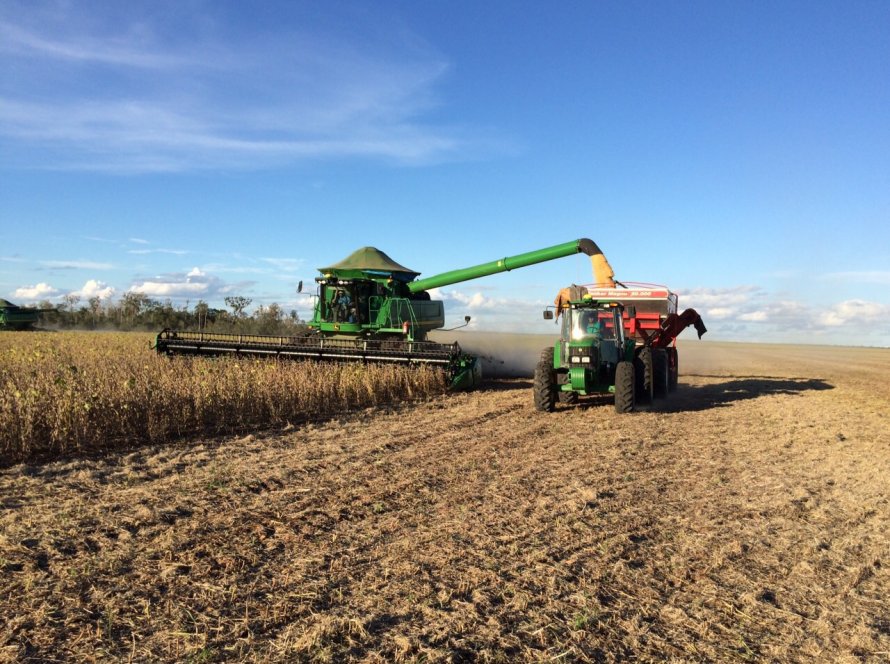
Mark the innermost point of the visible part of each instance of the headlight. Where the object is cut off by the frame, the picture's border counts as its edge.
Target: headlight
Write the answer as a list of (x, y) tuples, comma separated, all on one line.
[(585, 360), (577, 359)]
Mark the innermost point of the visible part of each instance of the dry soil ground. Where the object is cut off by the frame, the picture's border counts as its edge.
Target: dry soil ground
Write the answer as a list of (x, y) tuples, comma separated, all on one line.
[(746, 518)]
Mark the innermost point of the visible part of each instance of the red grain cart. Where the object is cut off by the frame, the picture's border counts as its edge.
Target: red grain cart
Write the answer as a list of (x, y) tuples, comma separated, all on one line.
[(651, 319)]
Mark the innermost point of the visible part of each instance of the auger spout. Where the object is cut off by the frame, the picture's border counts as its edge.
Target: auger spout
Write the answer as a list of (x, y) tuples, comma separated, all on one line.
[(602, 270)]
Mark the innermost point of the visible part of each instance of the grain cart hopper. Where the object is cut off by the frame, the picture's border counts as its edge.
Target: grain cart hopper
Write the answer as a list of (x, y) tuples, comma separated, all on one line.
[(620, 341), (370, 308), (13, 317), (654, 328)]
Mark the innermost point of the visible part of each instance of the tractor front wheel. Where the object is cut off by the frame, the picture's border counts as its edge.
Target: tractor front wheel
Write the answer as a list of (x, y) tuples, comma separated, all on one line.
[(624, 387), (545, 384)]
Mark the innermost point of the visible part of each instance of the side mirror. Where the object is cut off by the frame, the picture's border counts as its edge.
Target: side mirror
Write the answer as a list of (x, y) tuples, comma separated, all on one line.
[(548, 314), (467, 320), (631, 311), (300, 286)]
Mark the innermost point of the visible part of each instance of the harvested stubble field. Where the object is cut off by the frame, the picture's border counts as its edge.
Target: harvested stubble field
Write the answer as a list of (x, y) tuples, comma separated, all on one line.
[(744, 519)]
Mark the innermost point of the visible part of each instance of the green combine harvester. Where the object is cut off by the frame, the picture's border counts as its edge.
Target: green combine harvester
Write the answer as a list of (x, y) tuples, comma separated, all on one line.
[(370, 308), (13, 317)]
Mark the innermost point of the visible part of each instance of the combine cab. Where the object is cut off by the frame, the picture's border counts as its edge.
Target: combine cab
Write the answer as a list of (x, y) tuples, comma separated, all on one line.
[(619, 341), (13, 317), (369, 308)]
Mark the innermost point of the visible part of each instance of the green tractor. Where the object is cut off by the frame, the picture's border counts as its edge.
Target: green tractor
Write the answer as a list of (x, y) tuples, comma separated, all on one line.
[(592, 356), (620, 341)]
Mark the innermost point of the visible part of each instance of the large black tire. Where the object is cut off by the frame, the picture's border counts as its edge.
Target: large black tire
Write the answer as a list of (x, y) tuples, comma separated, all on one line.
[(660, 372), (545, 383), (645, 379), (625, 388), (570, 398), (674, 369)]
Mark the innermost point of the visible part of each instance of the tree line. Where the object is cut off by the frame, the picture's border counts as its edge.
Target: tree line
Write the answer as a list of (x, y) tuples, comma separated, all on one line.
[(137, 311)]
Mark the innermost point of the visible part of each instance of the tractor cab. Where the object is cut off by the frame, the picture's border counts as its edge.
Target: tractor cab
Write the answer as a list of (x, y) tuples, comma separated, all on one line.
[(592, 335), (591, 356)]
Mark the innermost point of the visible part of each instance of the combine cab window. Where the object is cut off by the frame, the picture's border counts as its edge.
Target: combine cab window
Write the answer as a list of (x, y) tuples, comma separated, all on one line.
[(340, 305)]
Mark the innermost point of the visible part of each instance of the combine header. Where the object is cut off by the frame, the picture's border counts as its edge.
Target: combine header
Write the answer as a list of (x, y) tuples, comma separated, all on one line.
[(620, 341), (369, 308)]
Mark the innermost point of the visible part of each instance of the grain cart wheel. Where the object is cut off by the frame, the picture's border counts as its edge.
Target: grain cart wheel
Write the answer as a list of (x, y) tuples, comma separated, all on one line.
[(545, 384), (644, 372), (673, 369), (660, 372), (624, 387)]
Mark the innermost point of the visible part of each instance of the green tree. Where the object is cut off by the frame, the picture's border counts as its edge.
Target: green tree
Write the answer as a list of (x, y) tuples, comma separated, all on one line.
[(238, 303)]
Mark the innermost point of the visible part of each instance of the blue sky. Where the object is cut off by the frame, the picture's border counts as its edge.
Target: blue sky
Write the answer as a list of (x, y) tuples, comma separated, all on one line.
[(737, 152)]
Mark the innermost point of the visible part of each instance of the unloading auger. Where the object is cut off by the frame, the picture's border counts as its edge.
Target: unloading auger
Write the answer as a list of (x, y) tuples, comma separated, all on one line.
[(370, 308)]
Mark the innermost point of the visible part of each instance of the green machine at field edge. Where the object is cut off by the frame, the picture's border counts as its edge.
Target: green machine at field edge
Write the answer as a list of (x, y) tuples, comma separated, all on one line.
[(369, 308), (13, 317)]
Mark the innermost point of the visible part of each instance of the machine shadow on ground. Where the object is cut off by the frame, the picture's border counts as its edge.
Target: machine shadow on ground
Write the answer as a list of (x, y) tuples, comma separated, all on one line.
[(689, 398), (506, 384)]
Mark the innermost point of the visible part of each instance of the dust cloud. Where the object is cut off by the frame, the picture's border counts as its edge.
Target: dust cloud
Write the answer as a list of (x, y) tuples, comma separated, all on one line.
[(503, 354)]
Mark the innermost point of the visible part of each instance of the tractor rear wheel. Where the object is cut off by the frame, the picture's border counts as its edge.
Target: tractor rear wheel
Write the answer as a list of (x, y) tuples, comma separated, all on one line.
[(674, 369), (625, 388), (545, 384), (660, 372), (645, 379)]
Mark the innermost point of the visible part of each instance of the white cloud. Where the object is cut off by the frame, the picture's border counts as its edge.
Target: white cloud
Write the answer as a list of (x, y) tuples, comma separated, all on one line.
[(857, 312), (860, 277), (195, 283), (95, 288), (77, 265), (142, 252), (215, 101), (286, 264), (489, 312), (41, 291), (124, 50), (720, 313), (139, 240), (218, 267), (722, 298)]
